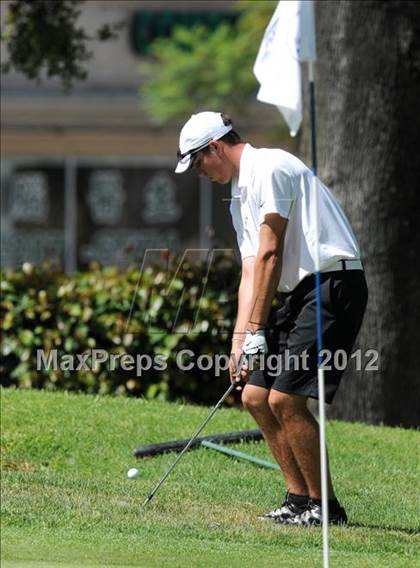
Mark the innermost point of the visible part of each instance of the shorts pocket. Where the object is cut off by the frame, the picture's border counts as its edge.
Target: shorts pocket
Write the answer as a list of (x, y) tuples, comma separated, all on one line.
[(283, 314), (336, 294)]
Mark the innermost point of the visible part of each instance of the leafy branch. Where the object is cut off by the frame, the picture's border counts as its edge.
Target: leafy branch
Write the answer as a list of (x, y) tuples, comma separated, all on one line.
[(199, 69), (43, 37)]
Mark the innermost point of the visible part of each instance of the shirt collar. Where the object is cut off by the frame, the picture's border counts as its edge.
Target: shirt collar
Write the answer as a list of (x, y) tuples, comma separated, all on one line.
[(246, 165)]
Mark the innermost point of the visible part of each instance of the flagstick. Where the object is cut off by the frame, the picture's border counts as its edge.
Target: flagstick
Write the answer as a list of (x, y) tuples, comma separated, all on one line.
[(321, 382)]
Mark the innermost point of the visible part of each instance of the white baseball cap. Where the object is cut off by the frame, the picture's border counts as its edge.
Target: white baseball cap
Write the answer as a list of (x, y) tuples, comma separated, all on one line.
[(196, 134)]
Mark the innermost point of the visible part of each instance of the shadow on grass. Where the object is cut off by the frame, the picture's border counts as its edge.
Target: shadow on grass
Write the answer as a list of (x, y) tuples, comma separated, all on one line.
[(409, 531)]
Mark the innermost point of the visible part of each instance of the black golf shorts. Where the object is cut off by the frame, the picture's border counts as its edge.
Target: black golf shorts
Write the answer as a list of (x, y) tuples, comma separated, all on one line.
[(291, 334)]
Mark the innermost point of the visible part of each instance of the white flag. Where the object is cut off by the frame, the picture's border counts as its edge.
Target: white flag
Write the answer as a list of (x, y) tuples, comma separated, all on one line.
[(288, 40)]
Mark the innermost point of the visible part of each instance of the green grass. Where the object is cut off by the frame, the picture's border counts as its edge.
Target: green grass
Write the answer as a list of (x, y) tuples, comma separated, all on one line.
[(66, 500)]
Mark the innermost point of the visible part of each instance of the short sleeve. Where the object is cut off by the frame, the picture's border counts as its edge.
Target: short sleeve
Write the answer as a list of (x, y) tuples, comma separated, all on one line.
[(245, 245), (243, 237), (277, 194)]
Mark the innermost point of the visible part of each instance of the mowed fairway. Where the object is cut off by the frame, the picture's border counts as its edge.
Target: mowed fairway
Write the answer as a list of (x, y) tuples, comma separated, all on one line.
[(67, 502)]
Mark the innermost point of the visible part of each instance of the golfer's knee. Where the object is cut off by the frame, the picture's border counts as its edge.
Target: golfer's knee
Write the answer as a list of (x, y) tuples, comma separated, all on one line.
[(285, 406), (254, 400)]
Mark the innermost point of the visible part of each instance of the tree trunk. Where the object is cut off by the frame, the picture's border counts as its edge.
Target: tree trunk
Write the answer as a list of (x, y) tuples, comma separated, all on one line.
[(368, 124)]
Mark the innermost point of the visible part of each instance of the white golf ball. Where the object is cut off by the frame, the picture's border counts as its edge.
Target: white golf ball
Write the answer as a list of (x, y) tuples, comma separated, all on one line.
[(132, 473)]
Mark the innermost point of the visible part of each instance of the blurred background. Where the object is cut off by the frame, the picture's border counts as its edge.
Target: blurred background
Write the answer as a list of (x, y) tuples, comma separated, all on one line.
[(87, 174), (93, 97)]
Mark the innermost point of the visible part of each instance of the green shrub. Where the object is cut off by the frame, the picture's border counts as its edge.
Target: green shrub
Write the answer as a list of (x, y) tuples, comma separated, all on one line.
[(185, 307)]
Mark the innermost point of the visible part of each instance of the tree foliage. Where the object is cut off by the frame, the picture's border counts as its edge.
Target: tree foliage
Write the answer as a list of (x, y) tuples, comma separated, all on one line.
[(197, 68), (43, 38)]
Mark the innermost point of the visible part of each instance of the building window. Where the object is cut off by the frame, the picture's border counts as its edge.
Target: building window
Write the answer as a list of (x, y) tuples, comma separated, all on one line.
[(148, 25)]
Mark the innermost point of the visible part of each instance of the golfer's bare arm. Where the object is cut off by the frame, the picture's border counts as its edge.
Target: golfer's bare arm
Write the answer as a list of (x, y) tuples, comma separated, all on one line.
[(245, 295), (267, 269), (260, 277)]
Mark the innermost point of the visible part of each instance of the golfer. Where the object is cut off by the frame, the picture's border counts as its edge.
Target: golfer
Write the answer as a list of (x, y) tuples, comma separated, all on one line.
[(273, 214)]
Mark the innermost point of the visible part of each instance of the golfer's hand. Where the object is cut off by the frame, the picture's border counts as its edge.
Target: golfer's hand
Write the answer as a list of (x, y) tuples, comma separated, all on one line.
[(255, 343), (238, 368)]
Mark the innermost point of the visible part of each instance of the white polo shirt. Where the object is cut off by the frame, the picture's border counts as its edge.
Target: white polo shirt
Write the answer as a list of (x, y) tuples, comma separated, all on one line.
[(274, 181)]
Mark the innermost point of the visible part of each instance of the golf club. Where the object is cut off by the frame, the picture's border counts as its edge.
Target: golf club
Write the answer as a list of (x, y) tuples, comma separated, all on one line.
[(209, 417)]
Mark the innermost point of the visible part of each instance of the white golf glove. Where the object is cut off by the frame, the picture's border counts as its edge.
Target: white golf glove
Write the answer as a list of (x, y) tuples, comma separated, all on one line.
[(255, 343)]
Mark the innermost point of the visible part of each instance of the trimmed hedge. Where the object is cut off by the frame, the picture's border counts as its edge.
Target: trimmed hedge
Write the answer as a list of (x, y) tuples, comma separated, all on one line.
[(184, 307)]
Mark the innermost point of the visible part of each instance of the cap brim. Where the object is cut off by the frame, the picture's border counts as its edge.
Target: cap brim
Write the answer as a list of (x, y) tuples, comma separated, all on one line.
[(183, 165)]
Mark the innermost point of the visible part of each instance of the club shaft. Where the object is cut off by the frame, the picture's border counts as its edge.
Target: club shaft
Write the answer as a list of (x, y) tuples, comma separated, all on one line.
[(203, 425)]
